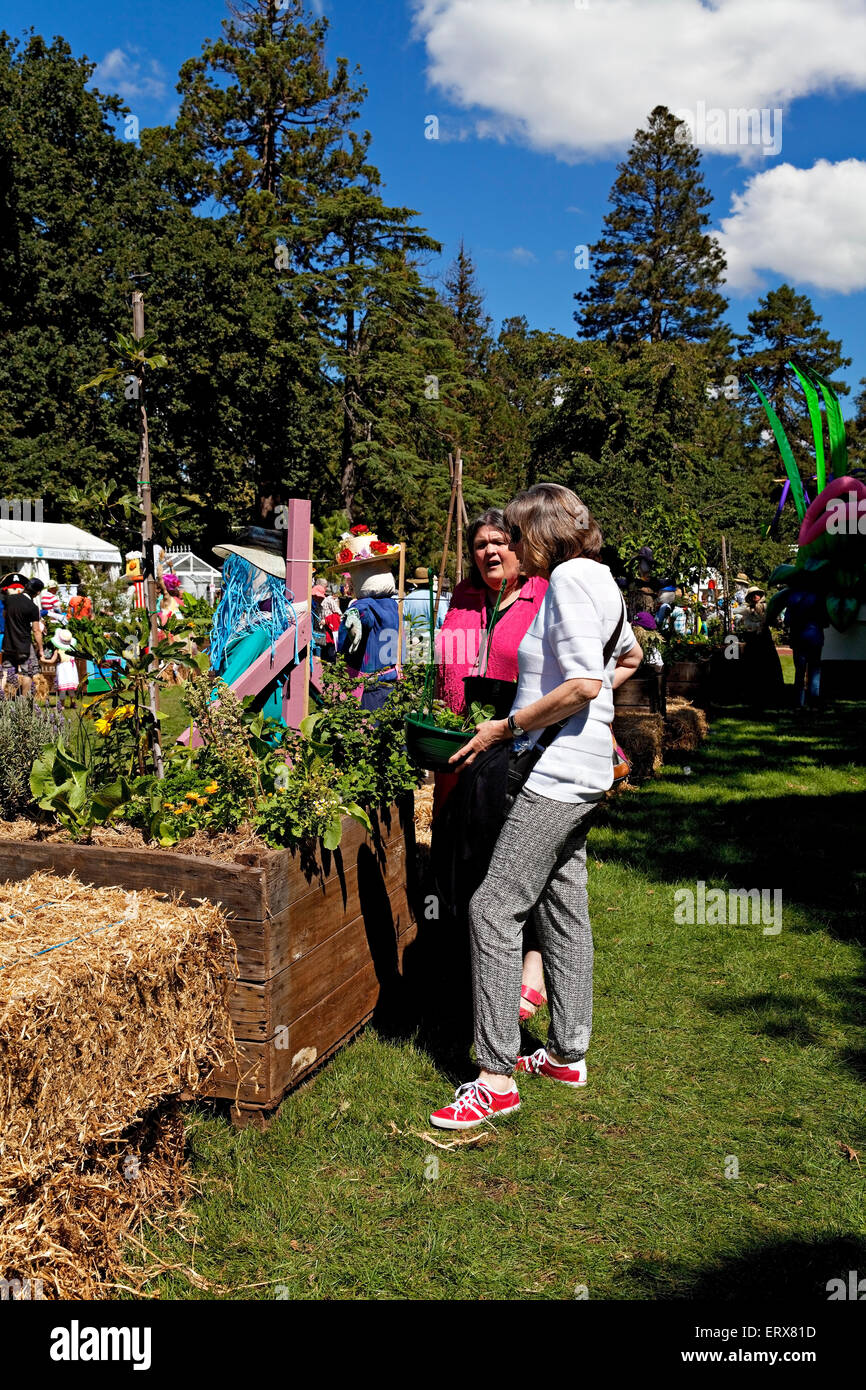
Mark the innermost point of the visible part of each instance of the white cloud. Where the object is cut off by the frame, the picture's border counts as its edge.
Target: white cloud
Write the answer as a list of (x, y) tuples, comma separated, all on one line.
[(579, 81), (807, 226), (522, 255), (133, 78)]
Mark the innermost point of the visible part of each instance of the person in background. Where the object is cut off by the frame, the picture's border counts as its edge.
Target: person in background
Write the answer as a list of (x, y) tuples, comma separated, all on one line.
[(459, 647), (80, 605), (421, 596), (323, 636), (59, 663), (22, 633), (49, 601)]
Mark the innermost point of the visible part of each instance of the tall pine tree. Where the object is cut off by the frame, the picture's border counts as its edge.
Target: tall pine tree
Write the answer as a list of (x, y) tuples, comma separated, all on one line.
[(656, 270)]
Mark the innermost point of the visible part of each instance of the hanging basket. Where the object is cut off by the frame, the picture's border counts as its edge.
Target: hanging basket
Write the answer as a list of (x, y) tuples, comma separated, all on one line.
[(431, 746)]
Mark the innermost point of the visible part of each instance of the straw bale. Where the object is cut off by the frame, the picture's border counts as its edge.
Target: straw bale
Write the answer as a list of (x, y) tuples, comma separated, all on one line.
[(686, 727), (424, 813), (112, 1004), (640, 736)]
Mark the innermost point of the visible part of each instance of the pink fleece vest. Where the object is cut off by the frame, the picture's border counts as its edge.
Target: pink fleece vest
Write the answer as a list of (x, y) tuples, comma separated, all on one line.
[(458, 643)]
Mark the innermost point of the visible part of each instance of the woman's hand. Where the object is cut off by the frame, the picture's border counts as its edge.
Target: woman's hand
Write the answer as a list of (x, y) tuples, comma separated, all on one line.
[(490, 732)]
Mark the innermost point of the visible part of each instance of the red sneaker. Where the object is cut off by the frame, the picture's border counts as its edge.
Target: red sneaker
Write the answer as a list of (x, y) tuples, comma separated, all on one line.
[(474, 1103), (539, 1064)]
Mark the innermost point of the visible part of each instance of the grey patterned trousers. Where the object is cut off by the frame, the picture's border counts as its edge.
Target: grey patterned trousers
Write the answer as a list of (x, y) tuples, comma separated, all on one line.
[(538, 869)]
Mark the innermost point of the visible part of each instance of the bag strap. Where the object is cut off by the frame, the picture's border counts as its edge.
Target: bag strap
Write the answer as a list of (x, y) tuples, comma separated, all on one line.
[(549, 734)]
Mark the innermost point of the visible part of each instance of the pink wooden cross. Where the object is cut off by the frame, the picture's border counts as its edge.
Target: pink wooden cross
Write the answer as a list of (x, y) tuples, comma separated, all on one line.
[(281, 659)]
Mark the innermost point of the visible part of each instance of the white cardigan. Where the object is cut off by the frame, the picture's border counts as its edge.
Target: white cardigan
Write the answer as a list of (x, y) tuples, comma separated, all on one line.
[(565, 642)]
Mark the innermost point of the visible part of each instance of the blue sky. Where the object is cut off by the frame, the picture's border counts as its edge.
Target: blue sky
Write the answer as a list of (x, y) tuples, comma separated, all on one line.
[(536, 101)]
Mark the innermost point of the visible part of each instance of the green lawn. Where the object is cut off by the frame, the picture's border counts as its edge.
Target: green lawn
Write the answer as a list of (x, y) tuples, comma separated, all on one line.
[(716, 1049)]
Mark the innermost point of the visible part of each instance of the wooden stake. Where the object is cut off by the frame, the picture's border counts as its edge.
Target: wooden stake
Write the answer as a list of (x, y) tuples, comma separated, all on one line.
[(726, 589), (458, 573), (401, 592), (147, 526), (451, 507)]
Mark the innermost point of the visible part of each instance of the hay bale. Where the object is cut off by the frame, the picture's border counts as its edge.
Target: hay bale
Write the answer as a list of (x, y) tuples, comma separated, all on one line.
[(424, 813), (111, 1005), (640, 736), (685, 728)]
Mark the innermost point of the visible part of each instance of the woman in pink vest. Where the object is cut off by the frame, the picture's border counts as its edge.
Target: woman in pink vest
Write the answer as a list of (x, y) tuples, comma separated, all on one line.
[(462, 650)]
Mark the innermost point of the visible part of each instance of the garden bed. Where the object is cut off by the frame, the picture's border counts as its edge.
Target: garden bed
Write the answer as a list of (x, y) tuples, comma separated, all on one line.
[(317, 945)]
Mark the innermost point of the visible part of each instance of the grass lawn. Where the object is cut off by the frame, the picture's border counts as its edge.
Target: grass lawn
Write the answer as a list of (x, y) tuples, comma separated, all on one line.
[(711, 1153)]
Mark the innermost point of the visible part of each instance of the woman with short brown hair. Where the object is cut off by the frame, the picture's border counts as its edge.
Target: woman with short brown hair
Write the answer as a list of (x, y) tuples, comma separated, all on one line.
[(577, 650)]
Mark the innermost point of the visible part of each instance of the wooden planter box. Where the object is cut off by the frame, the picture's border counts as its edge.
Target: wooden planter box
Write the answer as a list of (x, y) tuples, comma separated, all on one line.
[(315, 950), (639, 693), (689, 680)]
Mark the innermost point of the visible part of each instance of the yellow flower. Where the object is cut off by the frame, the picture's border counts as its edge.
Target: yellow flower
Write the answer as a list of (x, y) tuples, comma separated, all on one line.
[(212, 787), (103, 725), (192, 796), (124, 712)]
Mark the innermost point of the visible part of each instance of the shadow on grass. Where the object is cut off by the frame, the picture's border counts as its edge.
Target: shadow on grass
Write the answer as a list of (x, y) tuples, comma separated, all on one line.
[(807, 845), (785, 1269)]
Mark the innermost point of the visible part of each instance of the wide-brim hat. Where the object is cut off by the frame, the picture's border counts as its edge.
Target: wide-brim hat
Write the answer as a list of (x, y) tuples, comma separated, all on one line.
[(365, 562), (742, 578), (419, 578), (756, 589), (62, 637), (259, 546)]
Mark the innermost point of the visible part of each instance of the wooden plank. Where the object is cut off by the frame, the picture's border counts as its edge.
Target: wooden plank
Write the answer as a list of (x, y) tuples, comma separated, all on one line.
[(286, 881), (267, 947), (259, 1009), (239, 888), (270, 1069)]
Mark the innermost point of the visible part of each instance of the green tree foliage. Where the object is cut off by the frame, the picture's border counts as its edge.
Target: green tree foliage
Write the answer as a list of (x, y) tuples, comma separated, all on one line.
[(657, 271)]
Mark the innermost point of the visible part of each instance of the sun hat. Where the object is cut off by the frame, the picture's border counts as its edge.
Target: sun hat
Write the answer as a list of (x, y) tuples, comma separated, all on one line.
[(259, 546), (419, 578), (62, 639), (361, 547), (756, 589)]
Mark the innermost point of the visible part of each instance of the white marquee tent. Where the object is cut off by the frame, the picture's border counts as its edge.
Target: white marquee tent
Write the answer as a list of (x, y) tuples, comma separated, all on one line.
[(29, 545)]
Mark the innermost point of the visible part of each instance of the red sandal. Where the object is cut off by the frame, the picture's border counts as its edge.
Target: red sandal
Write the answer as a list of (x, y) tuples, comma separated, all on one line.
[(532, 996)]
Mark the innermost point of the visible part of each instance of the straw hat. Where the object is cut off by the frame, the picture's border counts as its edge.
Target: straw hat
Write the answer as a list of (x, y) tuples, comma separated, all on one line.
[(62, 639), (420, 578), (364, 551), (742, 578), (259, 546)]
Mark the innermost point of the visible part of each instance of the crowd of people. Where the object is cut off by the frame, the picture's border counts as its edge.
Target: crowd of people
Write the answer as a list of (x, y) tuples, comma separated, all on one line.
[(39, 655)]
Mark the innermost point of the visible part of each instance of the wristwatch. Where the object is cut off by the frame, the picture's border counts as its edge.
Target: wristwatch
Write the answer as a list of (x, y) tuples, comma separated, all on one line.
[(514, 728)]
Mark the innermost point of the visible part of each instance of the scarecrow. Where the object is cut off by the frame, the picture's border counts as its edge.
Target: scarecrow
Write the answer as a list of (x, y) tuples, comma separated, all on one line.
[(369, 633), (255, 608)]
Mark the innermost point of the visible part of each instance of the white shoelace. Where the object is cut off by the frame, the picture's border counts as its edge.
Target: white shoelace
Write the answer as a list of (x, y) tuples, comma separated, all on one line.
[(472, 1095), (536, 1060)]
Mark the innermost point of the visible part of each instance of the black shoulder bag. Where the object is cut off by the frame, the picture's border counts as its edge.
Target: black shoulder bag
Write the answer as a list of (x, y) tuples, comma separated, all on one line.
[(468, 826)]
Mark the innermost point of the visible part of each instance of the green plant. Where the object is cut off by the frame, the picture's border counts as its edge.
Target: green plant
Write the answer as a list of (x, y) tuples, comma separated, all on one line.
[(25, 729), (61, 784), (312, 798)]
